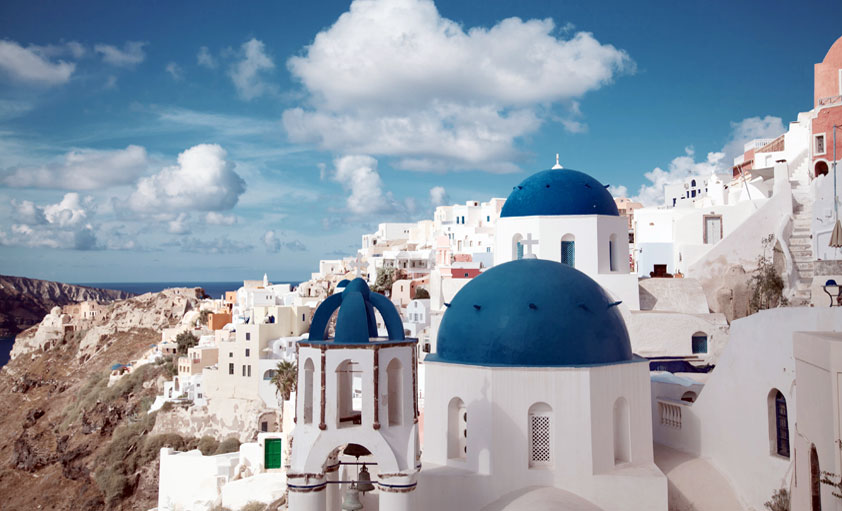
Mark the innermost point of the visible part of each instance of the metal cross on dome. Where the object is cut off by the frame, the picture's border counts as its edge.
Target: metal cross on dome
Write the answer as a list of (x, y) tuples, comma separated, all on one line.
[(357, 265), (528, 242)]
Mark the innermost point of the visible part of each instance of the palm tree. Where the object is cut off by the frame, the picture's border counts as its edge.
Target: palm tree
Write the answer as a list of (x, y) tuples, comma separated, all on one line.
[(285, 378)]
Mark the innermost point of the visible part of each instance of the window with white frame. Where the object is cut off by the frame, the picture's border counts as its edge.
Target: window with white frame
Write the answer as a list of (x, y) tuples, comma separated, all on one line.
[(818, 144)]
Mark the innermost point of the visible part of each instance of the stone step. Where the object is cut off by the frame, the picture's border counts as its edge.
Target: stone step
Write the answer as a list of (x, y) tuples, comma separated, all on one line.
[(802, 257), (807, 274), (801, 233), (797, 243), (804, 265)]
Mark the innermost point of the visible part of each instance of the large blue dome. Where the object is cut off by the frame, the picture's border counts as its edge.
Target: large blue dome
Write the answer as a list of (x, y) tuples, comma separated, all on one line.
[(532, 312), (559, 192)]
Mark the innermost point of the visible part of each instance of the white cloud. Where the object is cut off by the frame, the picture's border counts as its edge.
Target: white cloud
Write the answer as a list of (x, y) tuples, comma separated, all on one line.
[(130, 55), (214, 218), (179, 225), (110, 83), (222, 245), (205, 59), (64, 224), (272, 241), (358, 175), (32, 65), (175, 71), (618, 191), (748, 129), (247, 73), (203, 180), (678, 169), (438, 196), (395, 78), (81, 169)]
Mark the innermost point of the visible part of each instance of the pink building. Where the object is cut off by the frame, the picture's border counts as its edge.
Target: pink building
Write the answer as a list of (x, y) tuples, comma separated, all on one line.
[(828, 103)]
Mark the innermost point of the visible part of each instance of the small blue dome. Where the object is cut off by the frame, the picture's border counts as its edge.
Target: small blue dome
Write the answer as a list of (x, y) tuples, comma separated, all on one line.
[(532, 312), (355, 321), (559, 192)]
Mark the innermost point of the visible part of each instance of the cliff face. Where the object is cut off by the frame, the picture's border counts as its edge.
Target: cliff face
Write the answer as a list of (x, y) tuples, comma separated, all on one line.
[(69, 438), (24, 302)]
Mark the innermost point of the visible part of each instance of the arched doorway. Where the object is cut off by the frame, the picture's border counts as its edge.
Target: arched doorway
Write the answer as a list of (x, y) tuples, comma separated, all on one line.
[(820, 169)]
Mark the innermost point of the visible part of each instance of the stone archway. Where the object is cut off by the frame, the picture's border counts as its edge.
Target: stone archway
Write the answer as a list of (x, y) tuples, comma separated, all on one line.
[(820, 169)]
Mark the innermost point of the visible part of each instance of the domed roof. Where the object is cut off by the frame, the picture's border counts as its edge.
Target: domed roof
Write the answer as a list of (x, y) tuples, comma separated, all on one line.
[(355, 321), (559, 192), (532, 312)]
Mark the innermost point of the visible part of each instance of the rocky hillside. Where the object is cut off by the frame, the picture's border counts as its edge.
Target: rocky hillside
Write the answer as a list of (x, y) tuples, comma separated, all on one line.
[(69, 440), (23, 301)]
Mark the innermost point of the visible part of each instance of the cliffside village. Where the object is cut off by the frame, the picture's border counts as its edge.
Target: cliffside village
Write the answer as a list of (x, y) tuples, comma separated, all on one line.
[(461, 363)]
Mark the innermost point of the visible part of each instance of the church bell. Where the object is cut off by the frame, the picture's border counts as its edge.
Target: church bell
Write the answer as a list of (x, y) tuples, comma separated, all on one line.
[(351, 500), (364, 483)]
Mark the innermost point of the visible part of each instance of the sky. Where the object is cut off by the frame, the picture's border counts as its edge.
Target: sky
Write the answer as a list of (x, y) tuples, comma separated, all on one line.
[(216, 140)]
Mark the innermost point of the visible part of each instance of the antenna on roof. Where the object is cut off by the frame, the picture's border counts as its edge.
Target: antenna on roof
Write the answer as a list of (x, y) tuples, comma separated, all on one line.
[(557, 164)]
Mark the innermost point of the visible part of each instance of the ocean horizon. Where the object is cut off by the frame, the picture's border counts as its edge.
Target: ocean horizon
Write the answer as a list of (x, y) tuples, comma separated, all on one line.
[(213, 289)]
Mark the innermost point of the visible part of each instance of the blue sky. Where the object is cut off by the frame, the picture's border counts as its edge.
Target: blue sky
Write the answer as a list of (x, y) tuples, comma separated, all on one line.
[(213, 141)]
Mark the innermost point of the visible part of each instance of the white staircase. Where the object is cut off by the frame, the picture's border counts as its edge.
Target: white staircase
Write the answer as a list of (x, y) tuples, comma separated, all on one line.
[(801, 240)]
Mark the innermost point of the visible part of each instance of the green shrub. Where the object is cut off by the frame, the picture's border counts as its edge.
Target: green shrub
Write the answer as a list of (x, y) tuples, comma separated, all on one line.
[(114, 485), (253, 506), (208, 445), (230, 444), (779, 502), (185, 341), (421, 293)]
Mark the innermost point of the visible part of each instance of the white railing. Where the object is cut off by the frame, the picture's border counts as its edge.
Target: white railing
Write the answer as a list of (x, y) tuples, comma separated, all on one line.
[(670, 411)]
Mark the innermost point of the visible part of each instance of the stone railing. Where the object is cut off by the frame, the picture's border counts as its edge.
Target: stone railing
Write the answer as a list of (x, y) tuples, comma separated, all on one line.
[(670, 411)]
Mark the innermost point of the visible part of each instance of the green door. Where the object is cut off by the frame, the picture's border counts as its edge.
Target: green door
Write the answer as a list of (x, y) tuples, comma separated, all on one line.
[(272, 453)]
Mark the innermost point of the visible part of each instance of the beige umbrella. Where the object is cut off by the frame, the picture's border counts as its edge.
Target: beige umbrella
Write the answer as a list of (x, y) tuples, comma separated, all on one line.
[(836, 236)]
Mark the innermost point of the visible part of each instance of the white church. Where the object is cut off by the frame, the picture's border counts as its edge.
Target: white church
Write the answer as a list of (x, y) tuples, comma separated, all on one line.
[(533, 399)]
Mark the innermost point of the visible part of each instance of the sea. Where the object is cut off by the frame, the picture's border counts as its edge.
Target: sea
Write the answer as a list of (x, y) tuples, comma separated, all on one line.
[(213, 289)]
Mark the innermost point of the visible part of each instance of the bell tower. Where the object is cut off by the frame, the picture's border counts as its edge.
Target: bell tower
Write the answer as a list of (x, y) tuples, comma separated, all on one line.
[(355, 389)]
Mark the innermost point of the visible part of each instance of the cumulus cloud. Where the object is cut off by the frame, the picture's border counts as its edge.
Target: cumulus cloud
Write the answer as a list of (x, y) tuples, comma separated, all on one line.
[(749, 129), (179, 225), (130, 55), (358, 175), (222, 245), (438, 196), (681, 167), (248, 72), (33, 64), (81, 169), (214, 218), (203, 180), (175, 71), (395, 78), (205, 59), (618, 191), (64, 224), (273, 242)]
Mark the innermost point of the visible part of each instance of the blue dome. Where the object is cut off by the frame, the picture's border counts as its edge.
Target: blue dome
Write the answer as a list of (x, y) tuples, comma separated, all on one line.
[(559, 192), (532, 312), (355, 321)]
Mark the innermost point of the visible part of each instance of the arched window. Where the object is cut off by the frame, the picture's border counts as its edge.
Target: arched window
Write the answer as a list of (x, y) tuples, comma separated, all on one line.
[(689, 396), (622, 432), (267, 376), (457, 429), (348, 394), (394, 373), (517, 247), (693, 183), (778, 423), (308, 391), (568, 250), (815, 480), (699, 342), (540, 435), (612, 252)]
